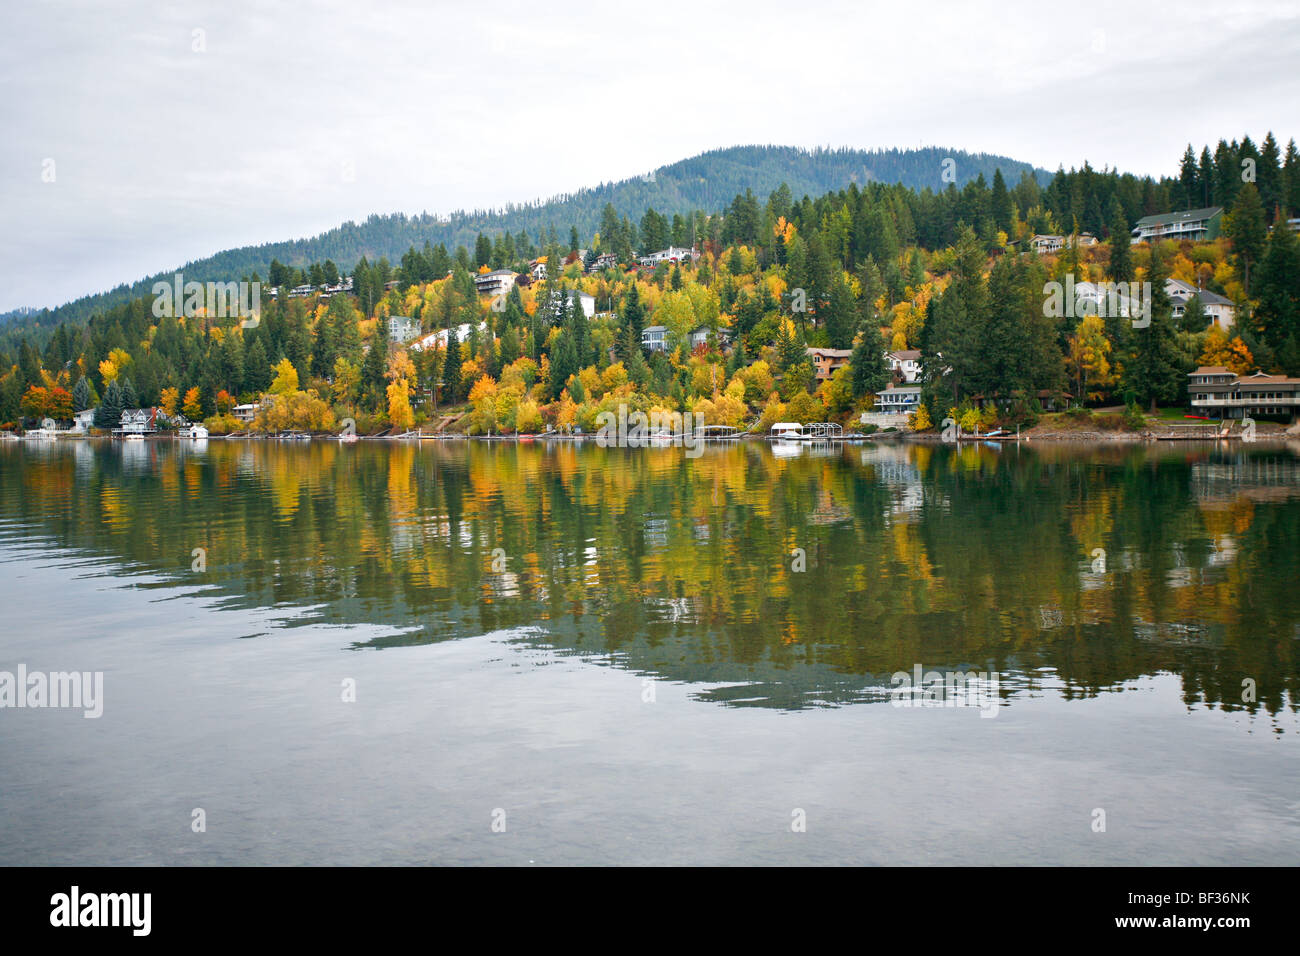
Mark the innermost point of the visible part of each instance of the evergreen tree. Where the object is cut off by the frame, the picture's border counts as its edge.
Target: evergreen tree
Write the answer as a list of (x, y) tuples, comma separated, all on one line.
[(257, 367), (1247, 230), (870, 368), (1277, 283), (1151, 372), (840, 313), (564, 362), (451, 368), (1001, 205), (1121, 252), (81, 395), (109, 413), (130, 399)]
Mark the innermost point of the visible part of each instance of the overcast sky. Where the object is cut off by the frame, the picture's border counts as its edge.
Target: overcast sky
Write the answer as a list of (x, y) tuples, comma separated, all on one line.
[(174, 130)]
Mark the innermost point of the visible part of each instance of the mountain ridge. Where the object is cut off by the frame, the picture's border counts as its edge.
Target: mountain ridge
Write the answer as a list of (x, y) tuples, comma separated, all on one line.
[(705, 182)]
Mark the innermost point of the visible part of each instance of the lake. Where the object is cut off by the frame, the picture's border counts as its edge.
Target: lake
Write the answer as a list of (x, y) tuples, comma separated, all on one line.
[(553, 653)]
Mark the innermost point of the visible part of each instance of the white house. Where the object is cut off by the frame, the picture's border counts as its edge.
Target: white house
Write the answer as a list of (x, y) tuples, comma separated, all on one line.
[(138, 421), (1046, 244), (83, 421), (905, 365), (671, 254), (588, 302), (655, 338), (898, 399), (1218, 310), (439, 337), (402, 328), (496, 282)]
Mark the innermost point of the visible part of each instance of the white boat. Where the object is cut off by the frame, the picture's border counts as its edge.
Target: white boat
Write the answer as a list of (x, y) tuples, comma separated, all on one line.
[(135, 436), (348, 439)]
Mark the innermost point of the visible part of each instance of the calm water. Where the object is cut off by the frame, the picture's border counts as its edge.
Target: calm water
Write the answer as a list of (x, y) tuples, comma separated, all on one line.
[(611, 652)]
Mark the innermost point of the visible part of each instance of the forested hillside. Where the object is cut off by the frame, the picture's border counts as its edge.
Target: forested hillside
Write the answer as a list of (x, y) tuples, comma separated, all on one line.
[(949, 274), (702, 183)]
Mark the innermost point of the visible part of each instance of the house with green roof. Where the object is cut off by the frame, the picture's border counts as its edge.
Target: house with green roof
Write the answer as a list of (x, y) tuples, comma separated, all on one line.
[(1194, 224)]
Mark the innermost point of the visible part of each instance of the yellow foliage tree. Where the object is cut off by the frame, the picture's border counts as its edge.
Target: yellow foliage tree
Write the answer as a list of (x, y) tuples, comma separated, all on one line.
[(286, 378), (1230, 354), (193, 407), (399, 404)]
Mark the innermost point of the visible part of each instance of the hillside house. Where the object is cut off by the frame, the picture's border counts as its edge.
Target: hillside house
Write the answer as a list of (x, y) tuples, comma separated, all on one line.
[(1194, 224)]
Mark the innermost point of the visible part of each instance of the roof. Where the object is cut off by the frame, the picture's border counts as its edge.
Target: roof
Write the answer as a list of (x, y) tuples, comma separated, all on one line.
[(1187, 215), (1264, 378), (1211, 370), (1212, 298), (495, 272), (900, 388), (654, 328), (830, 353), (904, 355)]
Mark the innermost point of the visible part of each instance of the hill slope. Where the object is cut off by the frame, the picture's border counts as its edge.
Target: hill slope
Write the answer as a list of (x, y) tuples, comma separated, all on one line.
[(706, 182)]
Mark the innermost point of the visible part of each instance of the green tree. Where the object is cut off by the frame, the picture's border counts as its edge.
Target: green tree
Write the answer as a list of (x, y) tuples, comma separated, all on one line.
[(1247, 229), (1152, 372), (870, 368)]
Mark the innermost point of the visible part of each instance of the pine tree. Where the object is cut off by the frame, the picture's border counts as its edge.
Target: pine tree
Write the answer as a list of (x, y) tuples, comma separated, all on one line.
[(1247, 230), (451, 368), (1121, 253), (870, 368), (81, 395), (109, 414), (1002, 208), (840, 314), (1151, 374), (1277, 283)]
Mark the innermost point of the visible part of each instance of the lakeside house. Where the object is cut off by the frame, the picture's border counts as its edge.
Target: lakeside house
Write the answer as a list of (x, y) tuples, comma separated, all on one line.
[(139, 421), (898, 399), (654, 338), (827, 361), (1194, 224), (494, 283), (537, 268), (1218, 310), (1218, 392), (245, 413), (904, 365)]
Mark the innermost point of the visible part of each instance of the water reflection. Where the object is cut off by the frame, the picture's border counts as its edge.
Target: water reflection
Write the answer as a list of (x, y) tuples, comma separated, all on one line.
[(1086, 566)]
